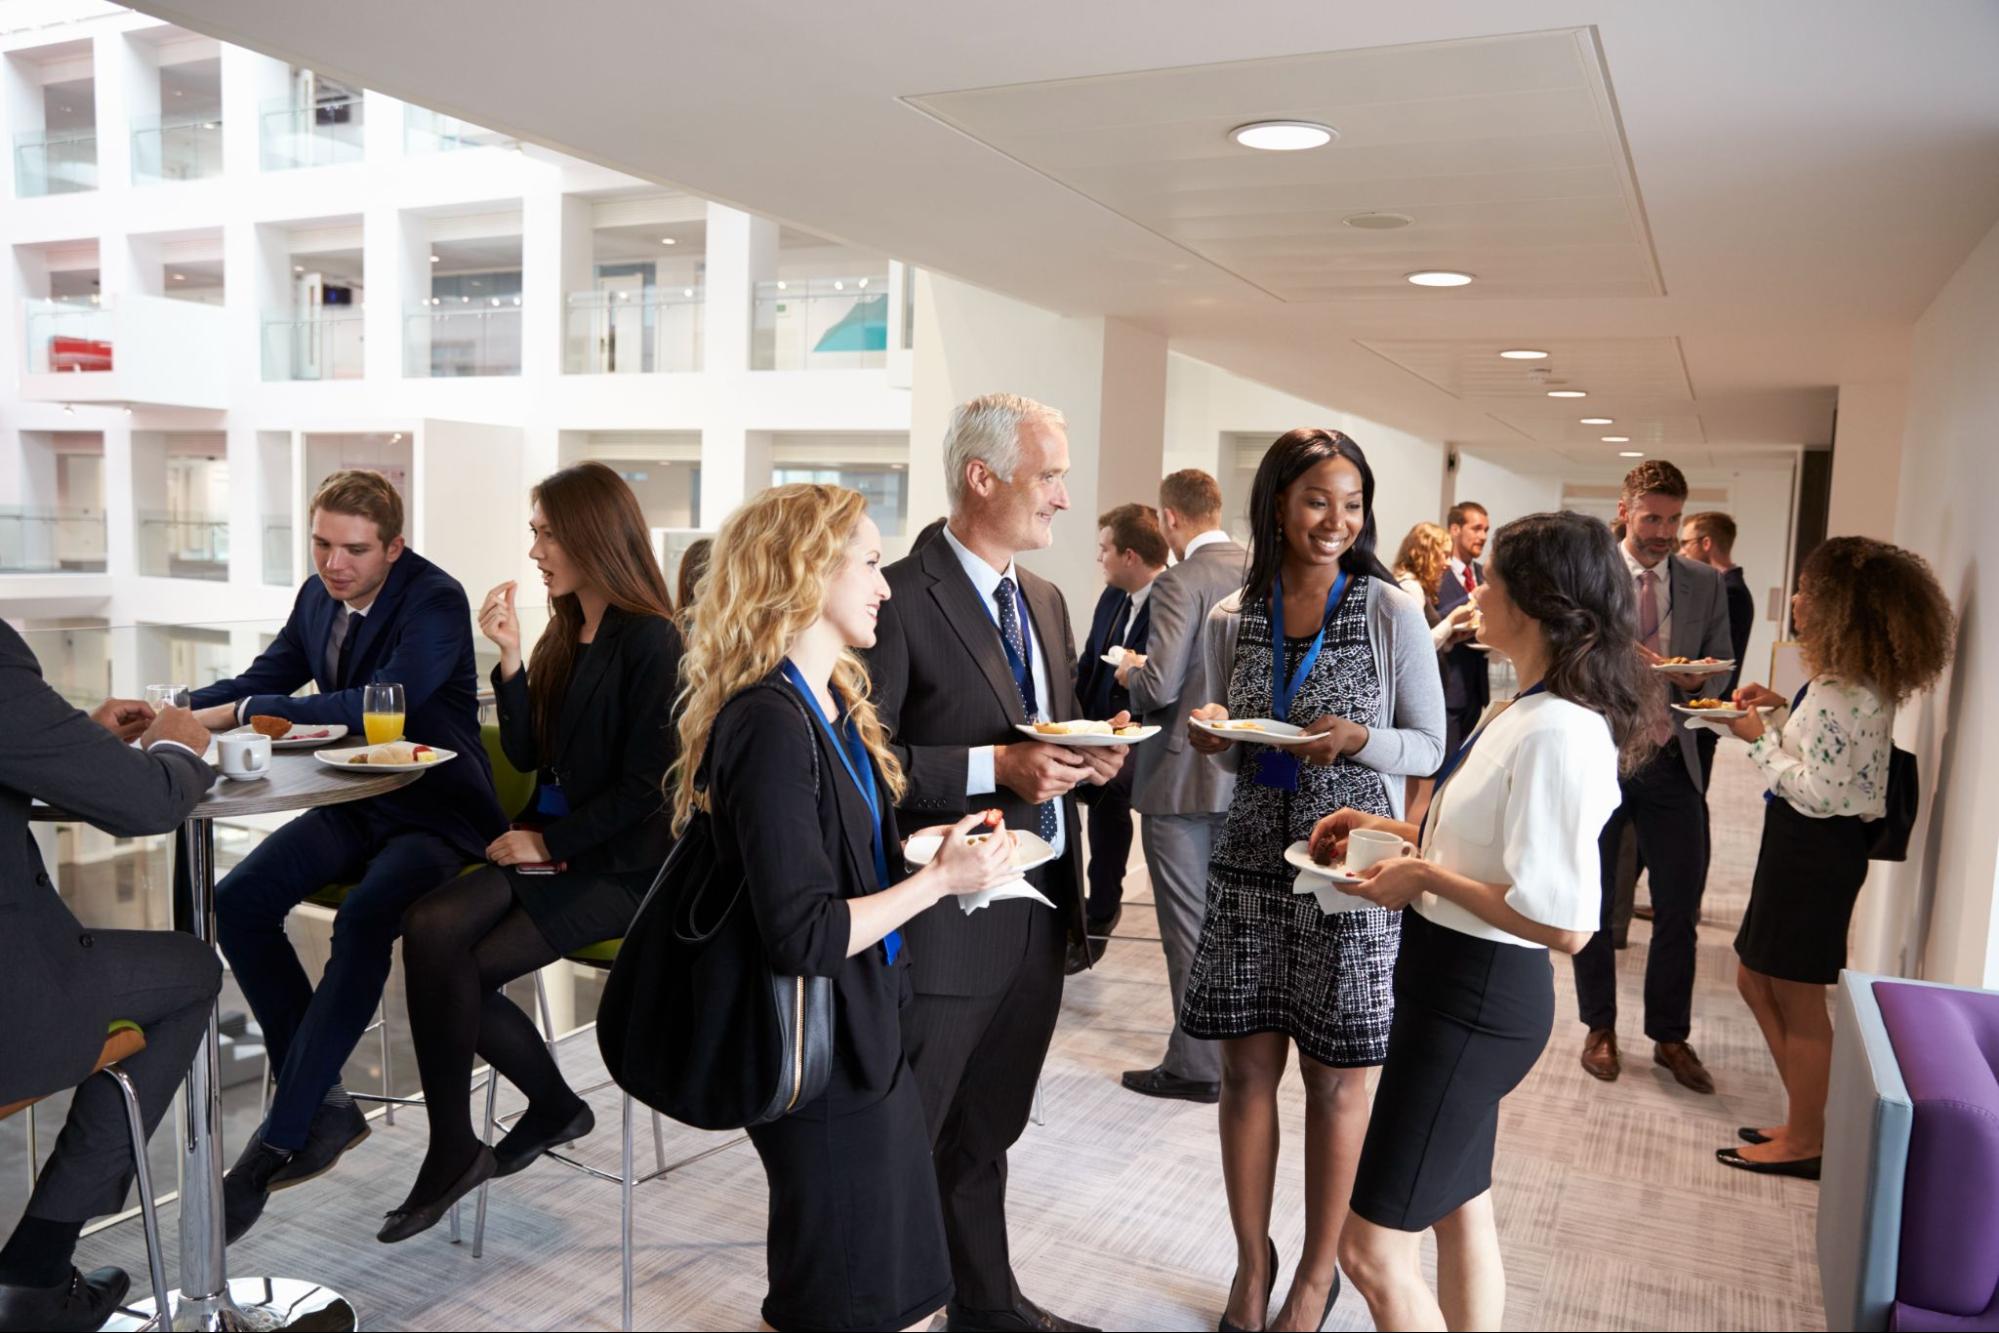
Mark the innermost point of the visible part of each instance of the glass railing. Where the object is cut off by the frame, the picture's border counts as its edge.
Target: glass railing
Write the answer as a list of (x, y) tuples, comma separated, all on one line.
[(51, 541), (278, 552), (450, 341), (177, 150), (321, 135), (54, 162), (619, 333), (182, 546), (426, 131), (322, 346), (821, 324), (68, 337)]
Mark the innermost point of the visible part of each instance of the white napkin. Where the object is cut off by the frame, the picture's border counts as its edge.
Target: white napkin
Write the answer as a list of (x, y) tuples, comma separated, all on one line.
[(1719, 728), (1018, 887), (1332, 898)]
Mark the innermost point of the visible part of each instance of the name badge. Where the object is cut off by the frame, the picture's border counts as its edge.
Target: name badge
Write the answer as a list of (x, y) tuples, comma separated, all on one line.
[(1277, 770)]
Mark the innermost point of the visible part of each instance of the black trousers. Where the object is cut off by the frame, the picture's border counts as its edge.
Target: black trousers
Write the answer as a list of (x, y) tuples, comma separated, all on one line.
[(977, 1060), (1110, 828), (1669, 815)]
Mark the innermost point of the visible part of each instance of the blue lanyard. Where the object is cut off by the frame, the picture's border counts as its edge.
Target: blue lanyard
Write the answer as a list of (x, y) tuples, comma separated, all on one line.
[(1282, 693), (854, 757), (1451, 764), (1023, 673)]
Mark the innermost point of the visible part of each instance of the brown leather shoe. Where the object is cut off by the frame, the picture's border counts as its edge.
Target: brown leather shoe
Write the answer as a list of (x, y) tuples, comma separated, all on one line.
[(1600, 1054), (1686, 1067)]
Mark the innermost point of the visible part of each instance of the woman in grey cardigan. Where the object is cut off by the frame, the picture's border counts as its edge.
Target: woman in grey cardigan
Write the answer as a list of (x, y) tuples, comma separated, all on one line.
[(1320, 636)]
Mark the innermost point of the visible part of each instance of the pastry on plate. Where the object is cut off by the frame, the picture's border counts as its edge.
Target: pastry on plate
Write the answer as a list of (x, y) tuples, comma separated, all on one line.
[(266, 725)]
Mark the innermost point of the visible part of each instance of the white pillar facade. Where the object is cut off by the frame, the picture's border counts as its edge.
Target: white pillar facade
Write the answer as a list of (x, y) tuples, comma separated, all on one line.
[(1867, 460)]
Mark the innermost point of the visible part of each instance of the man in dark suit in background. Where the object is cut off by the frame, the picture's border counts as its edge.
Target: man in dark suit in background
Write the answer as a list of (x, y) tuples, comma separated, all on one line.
[(376, 611), (61, 986), (1710, 538), (1467, 684), (1131, 550), (969, 647)]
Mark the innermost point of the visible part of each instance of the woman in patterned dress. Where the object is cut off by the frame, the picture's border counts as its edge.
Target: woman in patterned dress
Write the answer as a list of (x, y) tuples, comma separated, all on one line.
[(1874, 628), (1272, 969)]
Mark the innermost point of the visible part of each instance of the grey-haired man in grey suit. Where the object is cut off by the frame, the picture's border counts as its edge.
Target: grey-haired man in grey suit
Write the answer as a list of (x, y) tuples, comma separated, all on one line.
[(1181, 799)]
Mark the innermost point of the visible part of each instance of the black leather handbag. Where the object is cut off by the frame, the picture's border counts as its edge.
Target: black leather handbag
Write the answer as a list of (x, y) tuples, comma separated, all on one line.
[(693, 1021), (1905, 797)]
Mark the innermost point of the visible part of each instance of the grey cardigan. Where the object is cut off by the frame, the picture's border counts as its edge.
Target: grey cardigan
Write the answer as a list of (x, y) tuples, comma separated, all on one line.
[(1406, 738)]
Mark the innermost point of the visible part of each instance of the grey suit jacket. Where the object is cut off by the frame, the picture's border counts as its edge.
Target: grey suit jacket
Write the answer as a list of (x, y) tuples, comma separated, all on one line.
[(54, 1019), (1169, 777), (1700, 629)]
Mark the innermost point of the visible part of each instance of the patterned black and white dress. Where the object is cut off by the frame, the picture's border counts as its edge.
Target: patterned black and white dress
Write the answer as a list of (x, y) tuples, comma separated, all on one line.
[(1269, 960)]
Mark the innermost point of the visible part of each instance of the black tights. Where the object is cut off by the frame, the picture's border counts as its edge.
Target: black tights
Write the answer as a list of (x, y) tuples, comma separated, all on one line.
[(461, 944)]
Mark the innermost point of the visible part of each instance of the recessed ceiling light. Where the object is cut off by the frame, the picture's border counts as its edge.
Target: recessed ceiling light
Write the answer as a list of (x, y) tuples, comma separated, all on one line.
[(1567, 393), (1378, 221), (298, 268), (1617, 439), (687, 291), (1438, 277), (180, 277), (668, 240), (780, 286), (1631, 453), (1598, 421), (1523, 354), (433, 259), (1283, 136)]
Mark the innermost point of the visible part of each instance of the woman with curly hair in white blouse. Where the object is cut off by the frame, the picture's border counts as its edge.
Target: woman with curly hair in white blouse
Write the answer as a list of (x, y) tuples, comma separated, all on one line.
[(1874, 628)]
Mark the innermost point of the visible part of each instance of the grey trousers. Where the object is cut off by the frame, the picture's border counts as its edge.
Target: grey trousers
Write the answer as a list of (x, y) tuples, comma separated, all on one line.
[(165, 982), (1176, 857)]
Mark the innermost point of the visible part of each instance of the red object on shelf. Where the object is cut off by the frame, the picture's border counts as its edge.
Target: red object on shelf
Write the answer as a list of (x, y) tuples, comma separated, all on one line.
[(79, 354)]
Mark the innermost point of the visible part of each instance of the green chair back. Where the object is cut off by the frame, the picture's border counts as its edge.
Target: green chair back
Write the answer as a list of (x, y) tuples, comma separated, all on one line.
[(514, 787)]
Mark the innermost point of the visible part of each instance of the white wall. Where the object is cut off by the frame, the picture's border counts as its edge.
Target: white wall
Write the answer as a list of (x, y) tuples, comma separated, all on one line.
[(1867, 460), (1506, 494)]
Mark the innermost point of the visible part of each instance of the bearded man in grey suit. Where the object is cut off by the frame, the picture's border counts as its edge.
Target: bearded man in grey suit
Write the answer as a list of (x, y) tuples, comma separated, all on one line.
[(1182, 800)]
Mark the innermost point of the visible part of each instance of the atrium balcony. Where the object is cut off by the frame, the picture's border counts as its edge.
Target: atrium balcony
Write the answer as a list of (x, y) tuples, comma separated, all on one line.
[(128, 349)]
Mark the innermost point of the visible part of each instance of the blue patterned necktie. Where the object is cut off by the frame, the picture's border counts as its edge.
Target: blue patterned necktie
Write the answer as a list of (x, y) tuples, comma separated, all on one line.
[(1009, 624)]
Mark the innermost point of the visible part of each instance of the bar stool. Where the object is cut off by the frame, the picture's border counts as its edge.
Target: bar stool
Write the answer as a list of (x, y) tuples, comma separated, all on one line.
[(123, 1040)]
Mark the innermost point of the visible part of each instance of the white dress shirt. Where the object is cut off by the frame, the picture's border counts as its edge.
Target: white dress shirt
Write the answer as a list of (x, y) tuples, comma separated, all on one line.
[(1137, 604), (1664, 592), (1458, 568), (979, 780), (1523, 808), (1208, 538)]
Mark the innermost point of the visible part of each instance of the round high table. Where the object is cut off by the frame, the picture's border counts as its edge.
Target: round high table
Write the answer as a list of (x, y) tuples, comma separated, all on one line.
[(208, 1299)]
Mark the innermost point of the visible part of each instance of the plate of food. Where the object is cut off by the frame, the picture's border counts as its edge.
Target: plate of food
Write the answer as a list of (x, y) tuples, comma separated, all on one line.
[(1476, 646), (290, 735), (390, 757), (1687, 666), (1085, 733), (1299, 857), (1721, 710), (1258, 730), (1029, 849)]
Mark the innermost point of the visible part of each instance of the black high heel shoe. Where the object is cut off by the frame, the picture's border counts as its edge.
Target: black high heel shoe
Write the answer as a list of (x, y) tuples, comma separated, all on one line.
[(1226, 1327), (1331, 1297)]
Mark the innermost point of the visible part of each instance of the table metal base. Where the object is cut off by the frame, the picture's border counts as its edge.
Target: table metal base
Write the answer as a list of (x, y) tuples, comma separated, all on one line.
[(253, 1303)]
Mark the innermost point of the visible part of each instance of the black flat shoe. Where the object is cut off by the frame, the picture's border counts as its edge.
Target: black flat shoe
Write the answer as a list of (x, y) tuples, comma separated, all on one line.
[(334, 1130), (1804, 1168), (1751, 1134), (247, 1187), (402, 1223), (81, 1301), (1158, 1083), (518, 1151), (1270, 1287)]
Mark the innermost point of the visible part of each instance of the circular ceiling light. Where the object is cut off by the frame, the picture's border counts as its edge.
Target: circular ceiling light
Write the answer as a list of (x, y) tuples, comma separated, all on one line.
[(1617, 439), (1378, 221), (1283, 136), (1631, 453), (435, 259), (1598, 421), (1438, 277), (1523, 354), (1567, 393), (668, 240)]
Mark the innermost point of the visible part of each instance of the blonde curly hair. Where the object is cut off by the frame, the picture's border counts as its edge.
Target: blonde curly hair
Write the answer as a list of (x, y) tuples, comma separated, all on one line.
[(1425, 555)]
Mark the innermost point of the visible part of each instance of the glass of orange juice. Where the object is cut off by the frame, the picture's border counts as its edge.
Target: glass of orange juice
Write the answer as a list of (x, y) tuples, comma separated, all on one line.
[(382, 712)]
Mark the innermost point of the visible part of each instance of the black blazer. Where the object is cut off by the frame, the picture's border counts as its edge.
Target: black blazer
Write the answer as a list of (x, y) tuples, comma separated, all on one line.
[(418, 634), (55, 1017), (614, 741), (1467, 679), (1097, 691), (1741, 619), (803, 853), (942, 686)]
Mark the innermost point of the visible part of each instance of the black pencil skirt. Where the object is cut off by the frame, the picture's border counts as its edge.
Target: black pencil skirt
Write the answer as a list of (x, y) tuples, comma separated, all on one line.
[(1471, 1018), (1808, 874)]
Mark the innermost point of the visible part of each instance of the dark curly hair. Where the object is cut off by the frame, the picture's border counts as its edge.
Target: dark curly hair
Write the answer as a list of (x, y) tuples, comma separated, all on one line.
[(1564, 571), (1875, 614), (1291, 456)]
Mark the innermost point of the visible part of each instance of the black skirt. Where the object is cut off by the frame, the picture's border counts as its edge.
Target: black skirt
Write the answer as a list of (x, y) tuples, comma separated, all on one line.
[(1808, 874), (1471, 1018), (577, 907)]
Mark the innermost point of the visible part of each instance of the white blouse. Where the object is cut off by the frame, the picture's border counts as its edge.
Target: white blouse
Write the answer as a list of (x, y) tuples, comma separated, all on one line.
[(1524, 808), (1830, 756)]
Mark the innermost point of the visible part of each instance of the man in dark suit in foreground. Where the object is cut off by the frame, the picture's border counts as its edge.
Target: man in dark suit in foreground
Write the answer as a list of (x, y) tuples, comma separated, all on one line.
[(376, 611), (1131, 550), (61, 986), (969, 647)]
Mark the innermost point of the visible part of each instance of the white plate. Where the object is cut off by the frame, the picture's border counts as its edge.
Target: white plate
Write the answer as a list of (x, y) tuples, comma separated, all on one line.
[(1268, 732), (299, 738), (1029, 850), (1717, 714), (1299, 857), (1087, 741), (1114, 655), (341, 759), (1696, 668), (1481, 647)]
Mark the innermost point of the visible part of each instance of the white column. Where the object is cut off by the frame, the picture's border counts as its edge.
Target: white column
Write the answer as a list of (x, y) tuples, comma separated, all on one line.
[(395, 254), (735, 464), (1867, 460), (250, 83), (122, 80), (735, 460), (121, 489), (22, 106)]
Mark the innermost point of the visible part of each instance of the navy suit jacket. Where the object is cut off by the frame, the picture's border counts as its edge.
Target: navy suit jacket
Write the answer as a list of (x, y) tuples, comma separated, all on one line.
[(1467, 684), (417, 633), (1097, 689)]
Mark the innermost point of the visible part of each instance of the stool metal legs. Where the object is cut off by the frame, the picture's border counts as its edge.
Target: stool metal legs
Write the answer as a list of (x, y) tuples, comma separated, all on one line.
[(625, 1212), (155, 1261)]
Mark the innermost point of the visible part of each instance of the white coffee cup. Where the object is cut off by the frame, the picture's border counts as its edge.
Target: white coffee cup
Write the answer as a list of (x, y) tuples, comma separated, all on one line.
[(1367, 846), (243, 757)]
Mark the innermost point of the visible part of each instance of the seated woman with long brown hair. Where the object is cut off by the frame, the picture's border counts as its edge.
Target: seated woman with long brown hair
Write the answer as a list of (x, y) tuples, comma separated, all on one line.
[(591, 716)]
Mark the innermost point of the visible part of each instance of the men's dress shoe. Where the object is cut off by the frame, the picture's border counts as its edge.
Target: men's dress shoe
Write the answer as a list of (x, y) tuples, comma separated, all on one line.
[(334, 1130), (1158, 1083), (1098, 933), (1804, 1168), (1025, 1315), (1075, 959), (1686, 1067), (247, 1187), (80, 1301), (1751, 1134), (1641, 911), (1600, 1057), (523, 1145), (402, 1223)]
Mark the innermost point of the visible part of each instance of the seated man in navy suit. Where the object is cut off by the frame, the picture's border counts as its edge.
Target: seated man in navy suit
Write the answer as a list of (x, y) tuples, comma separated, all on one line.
[(1131, 550), (376, 612)]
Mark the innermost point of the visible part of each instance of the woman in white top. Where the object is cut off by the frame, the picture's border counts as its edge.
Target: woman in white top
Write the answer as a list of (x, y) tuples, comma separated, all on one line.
[(1508, 870), (1874, 628)]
